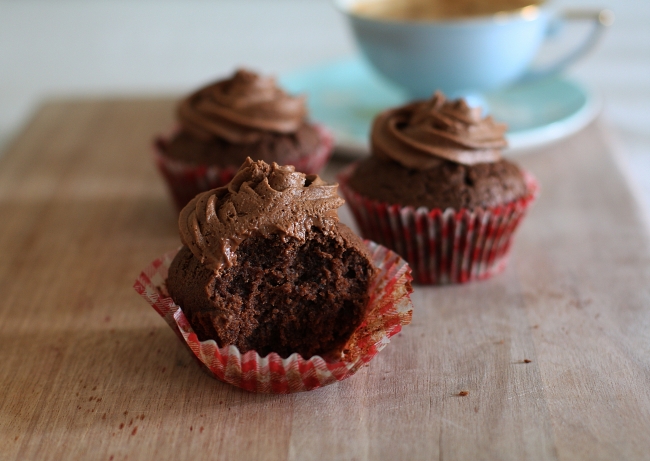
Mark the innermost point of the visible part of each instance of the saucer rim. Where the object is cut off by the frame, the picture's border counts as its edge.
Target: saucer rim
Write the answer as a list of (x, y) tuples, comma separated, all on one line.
[(519, 142), (522, 141)]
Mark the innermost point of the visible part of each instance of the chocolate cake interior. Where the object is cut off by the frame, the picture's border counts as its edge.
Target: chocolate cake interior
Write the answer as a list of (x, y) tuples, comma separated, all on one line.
[(281, 295)]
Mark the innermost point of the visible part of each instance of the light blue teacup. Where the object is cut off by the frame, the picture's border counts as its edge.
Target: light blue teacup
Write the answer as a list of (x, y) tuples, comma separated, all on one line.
[(465, 56)]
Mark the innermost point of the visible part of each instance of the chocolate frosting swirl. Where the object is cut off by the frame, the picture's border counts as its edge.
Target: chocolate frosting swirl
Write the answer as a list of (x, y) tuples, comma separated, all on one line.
[(261, 198), (240, 108), (422, 134)]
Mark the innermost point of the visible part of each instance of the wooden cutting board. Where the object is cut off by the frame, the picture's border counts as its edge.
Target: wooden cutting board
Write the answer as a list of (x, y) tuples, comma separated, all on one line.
[(554, 353)]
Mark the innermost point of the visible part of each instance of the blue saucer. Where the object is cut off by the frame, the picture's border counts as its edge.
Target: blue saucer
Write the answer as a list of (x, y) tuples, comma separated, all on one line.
[(346, 95)]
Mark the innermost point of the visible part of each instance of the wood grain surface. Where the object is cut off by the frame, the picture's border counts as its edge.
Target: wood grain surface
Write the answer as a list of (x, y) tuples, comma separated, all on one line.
[(553, 355)]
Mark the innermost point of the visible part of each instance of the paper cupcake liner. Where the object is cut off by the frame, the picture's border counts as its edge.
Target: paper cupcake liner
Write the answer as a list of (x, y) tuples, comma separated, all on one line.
[(441, 246), (186, 180), (389, 309)]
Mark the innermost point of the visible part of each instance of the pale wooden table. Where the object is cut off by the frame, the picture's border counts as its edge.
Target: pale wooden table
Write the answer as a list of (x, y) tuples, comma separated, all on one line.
[(89, 371)]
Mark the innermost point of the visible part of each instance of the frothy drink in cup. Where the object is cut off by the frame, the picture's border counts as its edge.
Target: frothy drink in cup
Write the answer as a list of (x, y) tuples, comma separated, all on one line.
[(427, 10)]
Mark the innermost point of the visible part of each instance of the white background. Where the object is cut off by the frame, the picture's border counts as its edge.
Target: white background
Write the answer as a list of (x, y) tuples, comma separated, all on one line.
[(55, 48)]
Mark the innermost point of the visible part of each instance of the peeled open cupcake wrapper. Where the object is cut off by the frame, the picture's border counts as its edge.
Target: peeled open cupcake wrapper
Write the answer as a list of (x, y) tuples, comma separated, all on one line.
[(389, 309), (442, 246), (186, 180)]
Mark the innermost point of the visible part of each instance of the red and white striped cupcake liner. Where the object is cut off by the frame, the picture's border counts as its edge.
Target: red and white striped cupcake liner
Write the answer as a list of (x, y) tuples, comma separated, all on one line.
[(186, 180), (389, 309), (441, 246)]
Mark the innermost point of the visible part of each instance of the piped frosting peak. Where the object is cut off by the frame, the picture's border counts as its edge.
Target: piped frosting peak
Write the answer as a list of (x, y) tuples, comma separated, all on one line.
[(261, 198), (240, 109), (422, 134)]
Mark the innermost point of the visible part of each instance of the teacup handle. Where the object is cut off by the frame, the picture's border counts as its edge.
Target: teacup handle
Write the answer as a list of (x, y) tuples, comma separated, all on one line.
[(601, 19)]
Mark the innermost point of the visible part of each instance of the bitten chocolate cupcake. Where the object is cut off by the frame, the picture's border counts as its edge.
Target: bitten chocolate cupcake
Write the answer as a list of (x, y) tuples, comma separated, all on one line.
[(267, 266), (267, 272), (220, 125), (436, 190)]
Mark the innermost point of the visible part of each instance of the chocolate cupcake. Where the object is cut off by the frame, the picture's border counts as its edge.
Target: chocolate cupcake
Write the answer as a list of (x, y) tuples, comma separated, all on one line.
[(267, 265), (267, 270), (436, 190), (222, 124)]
